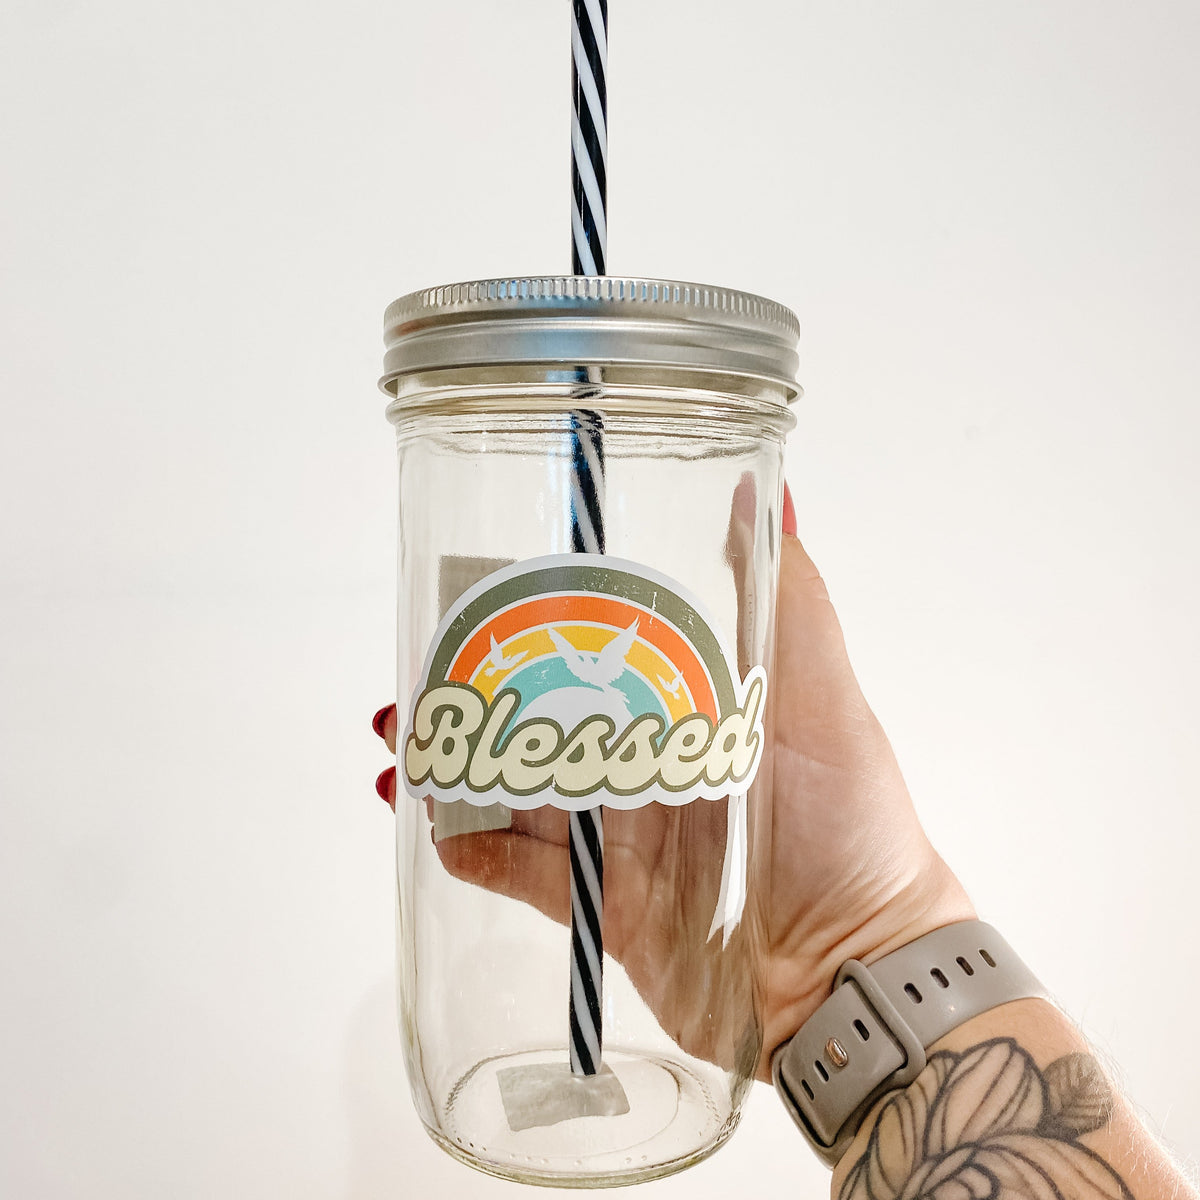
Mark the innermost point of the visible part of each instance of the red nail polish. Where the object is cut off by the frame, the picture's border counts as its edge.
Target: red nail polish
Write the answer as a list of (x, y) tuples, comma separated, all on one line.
[(379, 720), (386, 784), (789, 512)]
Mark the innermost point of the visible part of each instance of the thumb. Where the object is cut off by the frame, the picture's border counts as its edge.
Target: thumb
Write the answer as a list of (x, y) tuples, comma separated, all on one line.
[(811, 662)]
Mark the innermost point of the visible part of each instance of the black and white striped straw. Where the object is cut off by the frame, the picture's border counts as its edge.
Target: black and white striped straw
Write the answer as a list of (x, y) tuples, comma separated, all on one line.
[(589, 136), (589, 241)]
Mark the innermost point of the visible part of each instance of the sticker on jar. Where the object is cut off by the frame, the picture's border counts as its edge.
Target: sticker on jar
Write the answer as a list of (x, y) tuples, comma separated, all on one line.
[(577, 680)]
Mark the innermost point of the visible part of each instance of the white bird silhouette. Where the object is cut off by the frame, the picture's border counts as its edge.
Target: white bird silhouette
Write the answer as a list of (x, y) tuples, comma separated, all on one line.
[(497, 662), (672, 687), (602, 671)]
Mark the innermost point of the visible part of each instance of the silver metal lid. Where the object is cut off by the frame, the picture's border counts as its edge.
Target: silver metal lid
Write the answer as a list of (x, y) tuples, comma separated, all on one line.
[(578, 319)]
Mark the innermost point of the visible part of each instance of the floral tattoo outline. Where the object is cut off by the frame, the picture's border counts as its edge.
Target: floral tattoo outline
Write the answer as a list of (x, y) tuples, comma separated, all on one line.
[(987, 1124)]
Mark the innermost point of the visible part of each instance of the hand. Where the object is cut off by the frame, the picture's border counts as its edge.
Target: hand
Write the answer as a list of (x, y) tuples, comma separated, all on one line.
[(851, 872)]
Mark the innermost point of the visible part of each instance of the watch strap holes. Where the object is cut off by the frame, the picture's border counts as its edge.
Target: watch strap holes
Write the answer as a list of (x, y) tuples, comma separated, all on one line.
[(910, 990), (966, 966), (862, 1031), (807, 1089), (987, 958), (939, 978), (824, 1074)]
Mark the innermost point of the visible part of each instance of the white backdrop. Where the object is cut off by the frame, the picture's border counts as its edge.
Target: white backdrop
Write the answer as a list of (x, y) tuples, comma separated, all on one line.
[(985, 216)]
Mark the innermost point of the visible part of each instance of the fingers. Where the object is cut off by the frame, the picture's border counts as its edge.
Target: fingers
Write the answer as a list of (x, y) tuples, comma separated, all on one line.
[(530, 865), (385, 785), (789, 513), (811, 655), (739, 552), (545, 824), (821, 706), (384, 724), (512, 864)]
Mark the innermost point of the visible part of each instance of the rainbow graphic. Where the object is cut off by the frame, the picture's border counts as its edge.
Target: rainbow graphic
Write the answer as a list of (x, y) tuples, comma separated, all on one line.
[(588, 601), (572, 638)]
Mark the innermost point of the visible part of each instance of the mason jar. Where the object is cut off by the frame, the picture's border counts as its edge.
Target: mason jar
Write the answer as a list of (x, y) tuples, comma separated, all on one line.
[(591, 476)]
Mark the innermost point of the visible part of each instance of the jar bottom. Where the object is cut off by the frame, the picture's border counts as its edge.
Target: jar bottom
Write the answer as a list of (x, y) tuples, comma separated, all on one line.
[(666, 1119)]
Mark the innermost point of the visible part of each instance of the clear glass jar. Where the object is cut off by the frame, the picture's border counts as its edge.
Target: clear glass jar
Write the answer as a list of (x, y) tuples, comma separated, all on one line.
[(495, 602)]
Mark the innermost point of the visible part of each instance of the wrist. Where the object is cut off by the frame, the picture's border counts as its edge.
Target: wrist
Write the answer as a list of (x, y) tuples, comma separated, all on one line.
[(931, 899), (928, 899)]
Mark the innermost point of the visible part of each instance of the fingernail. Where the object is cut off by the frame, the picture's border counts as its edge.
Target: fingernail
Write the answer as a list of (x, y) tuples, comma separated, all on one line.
[(385, 785), (789, 512), (379, 720)]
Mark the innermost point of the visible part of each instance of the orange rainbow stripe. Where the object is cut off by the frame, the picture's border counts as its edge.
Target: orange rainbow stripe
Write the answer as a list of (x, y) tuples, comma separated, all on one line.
[(580, 614)]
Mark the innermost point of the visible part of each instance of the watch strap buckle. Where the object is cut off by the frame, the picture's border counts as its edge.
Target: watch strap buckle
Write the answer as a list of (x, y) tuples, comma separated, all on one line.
[(857, 1046), (868, 1049)]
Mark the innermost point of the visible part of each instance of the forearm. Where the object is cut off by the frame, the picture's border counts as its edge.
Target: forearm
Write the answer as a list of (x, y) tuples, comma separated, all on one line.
[(1012, 1104)]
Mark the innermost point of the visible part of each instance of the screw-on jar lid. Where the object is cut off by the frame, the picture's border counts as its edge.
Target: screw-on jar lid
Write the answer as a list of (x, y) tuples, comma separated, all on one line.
[(582, 319)]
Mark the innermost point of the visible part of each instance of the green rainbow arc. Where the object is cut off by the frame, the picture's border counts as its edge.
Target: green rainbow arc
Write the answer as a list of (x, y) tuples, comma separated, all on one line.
[(594, 579)]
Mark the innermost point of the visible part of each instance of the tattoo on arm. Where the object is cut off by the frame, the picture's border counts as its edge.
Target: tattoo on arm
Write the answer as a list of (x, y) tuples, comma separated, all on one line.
[(987, 1124)]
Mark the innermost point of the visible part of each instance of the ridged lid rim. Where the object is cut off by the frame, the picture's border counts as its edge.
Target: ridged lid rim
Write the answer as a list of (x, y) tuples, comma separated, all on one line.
[(498, 294), (565, 319)]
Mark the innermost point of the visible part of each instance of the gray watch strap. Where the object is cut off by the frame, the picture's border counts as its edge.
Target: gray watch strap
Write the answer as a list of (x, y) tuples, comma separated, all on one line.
[(870, 1035)]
